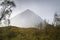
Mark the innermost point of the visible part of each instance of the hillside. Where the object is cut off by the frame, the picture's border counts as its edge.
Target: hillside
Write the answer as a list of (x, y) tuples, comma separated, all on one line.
[(15, 33), (27, 18)]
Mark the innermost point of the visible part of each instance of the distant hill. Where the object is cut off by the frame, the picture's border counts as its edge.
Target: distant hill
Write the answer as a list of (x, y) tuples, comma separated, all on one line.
[(15, 33), (26, 19)]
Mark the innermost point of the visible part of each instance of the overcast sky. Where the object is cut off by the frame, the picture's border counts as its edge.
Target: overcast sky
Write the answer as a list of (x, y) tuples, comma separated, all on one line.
[(44, 8)]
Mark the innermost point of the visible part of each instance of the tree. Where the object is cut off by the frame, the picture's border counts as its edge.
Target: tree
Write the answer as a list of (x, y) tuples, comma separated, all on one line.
[(56, 19), (7, 6)]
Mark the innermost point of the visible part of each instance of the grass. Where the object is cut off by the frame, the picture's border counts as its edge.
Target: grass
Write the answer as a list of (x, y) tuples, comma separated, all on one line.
[(15, 33)]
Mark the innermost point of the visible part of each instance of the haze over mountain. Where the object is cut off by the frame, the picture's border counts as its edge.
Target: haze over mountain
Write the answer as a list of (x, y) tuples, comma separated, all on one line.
[(26, 19)]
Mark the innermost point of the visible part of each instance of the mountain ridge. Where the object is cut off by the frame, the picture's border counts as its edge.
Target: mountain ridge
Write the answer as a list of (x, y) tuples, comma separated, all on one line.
[(27, 18)]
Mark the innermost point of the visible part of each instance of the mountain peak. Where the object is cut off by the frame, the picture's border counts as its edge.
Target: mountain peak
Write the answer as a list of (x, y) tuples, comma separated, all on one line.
[(27, 9), (26, 19), (28, 12)]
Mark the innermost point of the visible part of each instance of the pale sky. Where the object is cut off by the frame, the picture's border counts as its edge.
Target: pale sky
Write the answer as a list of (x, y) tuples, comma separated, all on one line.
[(44, 8)]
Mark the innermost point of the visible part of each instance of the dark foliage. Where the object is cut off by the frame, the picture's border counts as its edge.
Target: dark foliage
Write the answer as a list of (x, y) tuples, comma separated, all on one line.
[(13, 33)]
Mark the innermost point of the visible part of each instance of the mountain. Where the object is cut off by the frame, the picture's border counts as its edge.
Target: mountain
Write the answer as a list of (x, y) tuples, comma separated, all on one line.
[(26, 19)]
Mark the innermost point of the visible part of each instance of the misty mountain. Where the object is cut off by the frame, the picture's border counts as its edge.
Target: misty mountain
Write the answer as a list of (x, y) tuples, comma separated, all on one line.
[(26, 19)]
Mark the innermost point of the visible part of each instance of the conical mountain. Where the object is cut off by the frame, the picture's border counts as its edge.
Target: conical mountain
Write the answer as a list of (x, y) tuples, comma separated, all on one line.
[(26, 19)]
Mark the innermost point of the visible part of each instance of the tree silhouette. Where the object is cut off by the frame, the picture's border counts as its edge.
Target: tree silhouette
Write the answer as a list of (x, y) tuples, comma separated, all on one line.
[(6, 12), (56, 19)]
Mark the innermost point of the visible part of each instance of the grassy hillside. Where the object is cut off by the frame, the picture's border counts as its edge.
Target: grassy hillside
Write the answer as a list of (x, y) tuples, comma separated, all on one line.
[(15, 33)]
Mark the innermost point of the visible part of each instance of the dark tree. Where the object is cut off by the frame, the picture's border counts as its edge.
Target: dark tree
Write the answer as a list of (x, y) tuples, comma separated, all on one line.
[(6, 10)]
